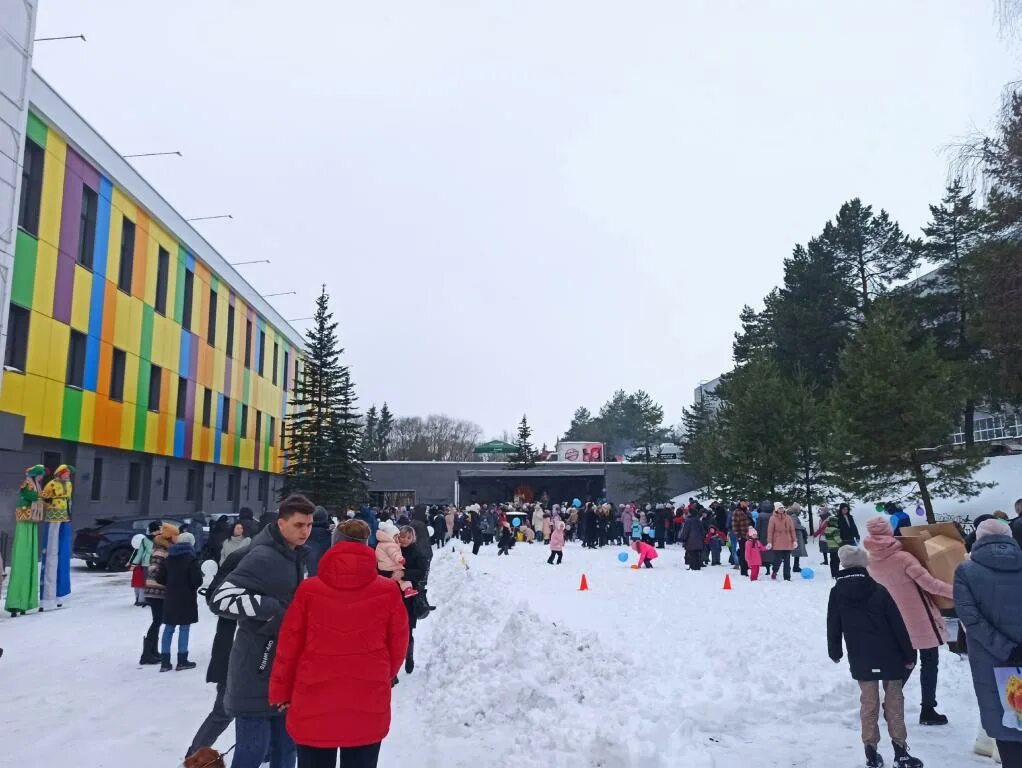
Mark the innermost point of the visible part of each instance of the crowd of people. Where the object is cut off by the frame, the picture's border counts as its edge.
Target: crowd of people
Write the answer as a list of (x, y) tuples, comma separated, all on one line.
[(316, 614)]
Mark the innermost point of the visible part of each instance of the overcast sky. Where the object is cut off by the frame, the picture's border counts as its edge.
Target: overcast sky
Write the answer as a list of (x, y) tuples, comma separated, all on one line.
[(523, 206)]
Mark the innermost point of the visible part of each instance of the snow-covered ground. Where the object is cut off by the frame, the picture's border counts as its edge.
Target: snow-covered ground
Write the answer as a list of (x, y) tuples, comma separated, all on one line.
[(657, 668)]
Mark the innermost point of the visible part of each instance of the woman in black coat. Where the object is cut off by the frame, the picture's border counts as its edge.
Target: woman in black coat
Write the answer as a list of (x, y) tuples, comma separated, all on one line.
[(693, 537), (181, 576), (416, 569), (847, 527)]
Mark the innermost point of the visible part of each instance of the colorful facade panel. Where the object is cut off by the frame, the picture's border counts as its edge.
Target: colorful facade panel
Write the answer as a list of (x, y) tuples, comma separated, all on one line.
[(142, 327)]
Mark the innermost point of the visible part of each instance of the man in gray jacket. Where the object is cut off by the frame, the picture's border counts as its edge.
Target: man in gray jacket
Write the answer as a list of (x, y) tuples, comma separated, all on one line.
[(257, 594)]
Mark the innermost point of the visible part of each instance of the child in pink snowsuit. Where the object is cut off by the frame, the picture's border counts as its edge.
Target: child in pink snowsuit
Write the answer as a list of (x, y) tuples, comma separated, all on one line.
[(389, 558), (556, 543), (753, 547), (647, 554)]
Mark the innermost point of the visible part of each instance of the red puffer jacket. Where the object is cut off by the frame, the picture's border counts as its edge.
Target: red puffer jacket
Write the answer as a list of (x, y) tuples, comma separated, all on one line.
[(342, 642)]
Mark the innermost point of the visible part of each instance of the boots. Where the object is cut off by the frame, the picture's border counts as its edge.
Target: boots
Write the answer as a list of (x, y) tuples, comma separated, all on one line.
[(149, 653), (183, 663), (930, 716), (873, 758), (409, 658), (165, 665), (902, 759)]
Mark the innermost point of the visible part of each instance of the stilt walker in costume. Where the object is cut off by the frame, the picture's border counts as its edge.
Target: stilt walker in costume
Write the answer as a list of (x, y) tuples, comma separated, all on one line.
[(23, 588), (57, 545)]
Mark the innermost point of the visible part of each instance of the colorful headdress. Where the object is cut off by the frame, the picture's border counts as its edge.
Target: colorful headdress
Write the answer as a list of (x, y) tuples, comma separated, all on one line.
[(64, 468), (36, 470)]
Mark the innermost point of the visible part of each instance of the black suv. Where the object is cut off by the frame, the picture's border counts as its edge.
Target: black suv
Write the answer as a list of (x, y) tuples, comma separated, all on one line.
[(108, 544)]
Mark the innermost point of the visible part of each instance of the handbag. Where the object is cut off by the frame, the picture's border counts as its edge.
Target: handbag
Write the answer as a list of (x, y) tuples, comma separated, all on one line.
[(420, 607)]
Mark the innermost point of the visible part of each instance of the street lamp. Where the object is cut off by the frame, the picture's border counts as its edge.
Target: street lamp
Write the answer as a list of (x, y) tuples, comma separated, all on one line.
[(207, 218), (254, 261), (61, 37), (282, 293), (154, 154)]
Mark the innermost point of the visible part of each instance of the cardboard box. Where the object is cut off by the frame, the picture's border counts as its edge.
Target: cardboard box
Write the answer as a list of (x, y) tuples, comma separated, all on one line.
[(939, 548)]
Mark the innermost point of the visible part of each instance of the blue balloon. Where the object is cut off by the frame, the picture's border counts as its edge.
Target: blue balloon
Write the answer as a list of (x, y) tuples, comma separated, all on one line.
[(808, 573), (622, 557), (894, 521), (577, 504), (755, 515), (516, 522)]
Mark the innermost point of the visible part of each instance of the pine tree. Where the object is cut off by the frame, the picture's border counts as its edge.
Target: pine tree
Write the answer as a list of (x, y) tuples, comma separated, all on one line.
[(584, 426), (756, 430), (949, 302), (384, 428), (700, 443), (315, 457), (892, 412), (370, 450), (524, 456), (757, 335), (810, 317), (351, 480), (869, 251), (648, 476), (807, 417)]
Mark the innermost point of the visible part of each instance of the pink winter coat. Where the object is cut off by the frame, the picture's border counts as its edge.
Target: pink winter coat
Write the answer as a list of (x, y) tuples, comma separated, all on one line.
[(557, 538), (753, 547), (646, 552), (388, 553), (781, 532), (909, 584)]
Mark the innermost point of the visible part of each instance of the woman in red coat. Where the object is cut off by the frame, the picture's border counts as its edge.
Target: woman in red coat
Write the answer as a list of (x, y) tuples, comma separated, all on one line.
[(343, 640)]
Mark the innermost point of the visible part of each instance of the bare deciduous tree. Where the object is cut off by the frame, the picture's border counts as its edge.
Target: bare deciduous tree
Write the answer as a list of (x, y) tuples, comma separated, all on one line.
[(438, 437)]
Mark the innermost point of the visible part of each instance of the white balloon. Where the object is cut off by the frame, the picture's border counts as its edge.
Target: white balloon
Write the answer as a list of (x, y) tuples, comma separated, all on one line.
[(430, 529), (136, 540), (209, 569)]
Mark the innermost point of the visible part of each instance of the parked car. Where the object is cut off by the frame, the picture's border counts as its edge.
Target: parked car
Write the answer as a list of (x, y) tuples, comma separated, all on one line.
[(108, 543)]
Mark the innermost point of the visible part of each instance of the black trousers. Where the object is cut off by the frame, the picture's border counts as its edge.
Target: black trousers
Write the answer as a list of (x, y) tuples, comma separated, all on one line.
[(216, 723), (153, 635), (648, 563), (477, 541), (351, 757), (502, 550), (835, 564), (782, 557), (694, 558), (558, 554), (1011, 753), (743, 564)]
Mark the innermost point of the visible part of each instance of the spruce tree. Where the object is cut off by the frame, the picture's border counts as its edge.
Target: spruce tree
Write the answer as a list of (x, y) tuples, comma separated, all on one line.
[(892, 412), (315, 458), (648, 476), (524, 456), (700, 442), (370, 451), (869, 252), (351, 479), (384, 428)]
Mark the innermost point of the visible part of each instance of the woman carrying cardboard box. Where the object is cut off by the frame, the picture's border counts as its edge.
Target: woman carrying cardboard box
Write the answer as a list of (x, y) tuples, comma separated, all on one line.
[(912, 588)]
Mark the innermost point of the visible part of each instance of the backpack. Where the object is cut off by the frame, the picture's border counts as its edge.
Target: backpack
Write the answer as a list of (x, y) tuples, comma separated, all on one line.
[(223, 571)]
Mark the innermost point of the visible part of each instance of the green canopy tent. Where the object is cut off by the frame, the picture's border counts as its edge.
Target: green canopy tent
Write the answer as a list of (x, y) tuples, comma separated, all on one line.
[(495, 447)]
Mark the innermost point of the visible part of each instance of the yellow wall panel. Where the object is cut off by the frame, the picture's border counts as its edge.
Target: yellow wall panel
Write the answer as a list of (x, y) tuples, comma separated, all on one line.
[(37, 360), (150, 275), (45, 278), (88, 414), (12, 394), (128, 416), (126, 330), (53, 191), (56, 368), (113, 246), (134, 330), (151, 425), (80, 299), (130, 377), (34, 408), (51, 407)]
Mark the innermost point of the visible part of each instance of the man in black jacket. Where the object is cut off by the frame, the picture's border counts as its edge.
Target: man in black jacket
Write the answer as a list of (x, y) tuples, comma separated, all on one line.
[(257, 594), (879, 652)]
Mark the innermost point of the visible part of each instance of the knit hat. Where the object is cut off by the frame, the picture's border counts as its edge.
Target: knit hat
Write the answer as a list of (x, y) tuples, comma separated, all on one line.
[(185, 538), (387, 526), (853, 557), (992, 527), (778, 506), (168, 535), (879, 526)]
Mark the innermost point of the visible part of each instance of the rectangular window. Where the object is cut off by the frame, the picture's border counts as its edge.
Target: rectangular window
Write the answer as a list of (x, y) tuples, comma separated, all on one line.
[(283, 432), (87, 227), (207, 407), (272, 434), (262, 353), (166, 481), (212, 488), (230, 330), (232, 487), (262, 488), (244, 421), (31, 188), (285, 370), (193, 478), (117, 375), (134, 480), (186, 310), (162, 274), (76, 360), (211, 327), (97, 479), (248, 343), (16, 352), (225, 416), (155, 382), (127, 265), (276, 352), (296, 371), (182, 397), (258, 428)]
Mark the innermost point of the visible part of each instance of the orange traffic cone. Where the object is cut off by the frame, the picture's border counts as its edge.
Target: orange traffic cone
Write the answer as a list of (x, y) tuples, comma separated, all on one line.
[(584, 585), (727, 581)]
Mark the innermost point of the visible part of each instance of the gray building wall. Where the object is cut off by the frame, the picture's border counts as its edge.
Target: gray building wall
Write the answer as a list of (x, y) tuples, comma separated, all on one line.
[(163, 483), (433, 482)]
